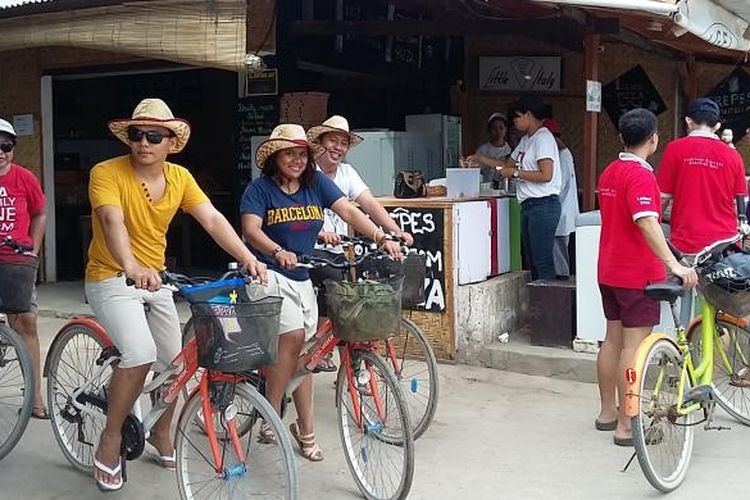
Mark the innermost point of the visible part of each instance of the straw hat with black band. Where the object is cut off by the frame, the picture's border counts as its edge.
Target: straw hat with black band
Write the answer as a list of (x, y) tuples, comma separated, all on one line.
[(336, 123), (155, 113), (284, 136)]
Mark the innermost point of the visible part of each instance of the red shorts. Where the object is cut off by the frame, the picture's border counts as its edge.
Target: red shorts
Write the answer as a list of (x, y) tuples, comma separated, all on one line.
[(629, 306)]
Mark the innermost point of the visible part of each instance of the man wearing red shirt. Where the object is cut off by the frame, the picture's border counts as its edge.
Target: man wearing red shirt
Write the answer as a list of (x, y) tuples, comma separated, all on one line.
[(702, 177), (22, 217), (632, 253)]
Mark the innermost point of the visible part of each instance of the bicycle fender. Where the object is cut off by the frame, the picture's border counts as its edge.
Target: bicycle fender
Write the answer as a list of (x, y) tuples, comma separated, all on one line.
[(82, 321), (635, 371)]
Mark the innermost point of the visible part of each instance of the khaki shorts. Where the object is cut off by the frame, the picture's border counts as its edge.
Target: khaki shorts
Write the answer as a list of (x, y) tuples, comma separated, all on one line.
[(299, 310), (142, 338)]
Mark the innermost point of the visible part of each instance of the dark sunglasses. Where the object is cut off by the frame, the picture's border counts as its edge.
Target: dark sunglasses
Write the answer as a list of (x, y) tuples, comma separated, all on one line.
[(153, 137), (7, 147)]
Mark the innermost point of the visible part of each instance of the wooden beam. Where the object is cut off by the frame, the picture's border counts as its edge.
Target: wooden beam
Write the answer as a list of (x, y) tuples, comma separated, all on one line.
[(590, 127), (442, 27)]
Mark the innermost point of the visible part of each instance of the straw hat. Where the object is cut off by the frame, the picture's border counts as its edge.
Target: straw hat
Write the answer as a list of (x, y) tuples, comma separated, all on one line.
[(153, 112), (336, 123), (284, 136)]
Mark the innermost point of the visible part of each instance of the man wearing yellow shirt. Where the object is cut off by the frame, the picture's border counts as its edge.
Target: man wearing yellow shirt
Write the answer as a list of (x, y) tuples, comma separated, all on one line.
[(133, 199)]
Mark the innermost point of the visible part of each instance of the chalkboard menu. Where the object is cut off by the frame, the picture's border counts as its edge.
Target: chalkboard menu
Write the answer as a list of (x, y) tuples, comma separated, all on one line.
[(255, 116), (733, 97), (633, 89), (427, 227)]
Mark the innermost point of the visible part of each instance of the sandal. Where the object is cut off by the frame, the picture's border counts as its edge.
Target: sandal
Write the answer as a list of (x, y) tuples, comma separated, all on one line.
[(168, 462), (308, 448), (116, 472), (741, 378), (40, 412), (265, 434), (326, 364)]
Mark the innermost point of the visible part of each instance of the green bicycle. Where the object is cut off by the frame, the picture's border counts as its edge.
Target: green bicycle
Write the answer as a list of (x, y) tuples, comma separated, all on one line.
[(671, 387)]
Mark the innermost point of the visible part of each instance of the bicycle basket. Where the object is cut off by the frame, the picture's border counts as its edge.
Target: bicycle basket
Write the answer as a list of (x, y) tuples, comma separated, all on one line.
[(725, 283), (234, 334), (17, 278), (365, 310), (414, 270)]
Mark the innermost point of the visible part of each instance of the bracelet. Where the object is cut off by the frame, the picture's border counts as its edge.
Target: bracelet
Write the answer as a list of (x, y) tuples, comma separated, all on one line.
[(375, 235), (277, 250)]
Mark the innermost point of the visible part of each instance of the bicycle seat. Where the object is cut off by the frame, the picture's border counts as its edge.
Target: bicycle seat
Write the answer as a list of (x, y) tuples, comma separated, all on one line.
[(667, 291)]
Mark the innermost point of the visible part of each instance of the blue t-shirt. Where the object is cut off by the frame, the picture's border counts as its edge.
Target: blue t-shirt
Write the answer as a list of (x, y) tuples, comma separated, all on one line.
[(291, 220)]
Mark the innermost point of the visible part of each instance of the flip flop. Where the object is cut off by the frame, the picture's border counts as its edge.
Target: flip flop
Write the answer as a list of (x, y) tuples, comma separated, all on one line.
[(166, 461), (605, 426), (116, 472), (623, 441), (40, 412)]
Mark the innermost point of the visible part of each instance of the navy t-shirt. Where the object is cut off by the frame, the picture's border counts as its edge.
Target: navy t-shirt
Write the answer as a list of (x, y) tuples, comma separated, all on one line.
[(291, 220)]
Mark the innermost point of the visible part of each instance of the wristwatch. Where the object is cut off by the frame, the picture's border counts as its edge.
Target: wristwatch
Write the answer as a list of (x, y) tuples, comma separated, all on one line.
[(277, 250), (516, 173)]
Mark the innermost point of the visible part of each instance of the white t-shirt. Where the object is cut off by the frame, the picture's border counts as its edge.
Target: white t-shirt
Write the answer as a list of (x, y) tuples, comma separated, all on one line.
[(568, 195), (351, 184), (489, 173), (540, 146)]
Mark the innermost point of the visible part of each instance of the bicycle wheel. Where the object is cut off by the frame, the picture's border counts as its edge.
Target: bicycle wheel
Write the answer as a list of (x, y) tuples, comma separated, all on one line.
[(16, 389), (416, 369), (71, 364), (731, 366), (268, 470), (663, 439), (382, 469)]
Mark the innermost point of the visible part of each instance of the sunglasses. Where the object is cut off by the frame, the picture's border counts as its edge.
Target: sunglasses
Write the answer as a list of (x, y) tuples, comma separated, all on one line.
[(7, 147), (153, 137)]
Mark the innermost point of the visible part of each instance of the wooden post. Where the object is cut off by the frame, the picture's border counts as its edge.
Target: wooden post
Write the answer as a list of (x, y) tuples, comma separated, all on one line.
[(590, 126)]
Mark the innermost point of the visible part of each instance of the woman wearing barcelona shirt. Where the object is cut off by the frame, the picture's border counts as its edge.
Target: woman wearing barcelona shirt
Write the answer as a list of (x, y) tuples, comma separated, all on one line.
[(282, 214)]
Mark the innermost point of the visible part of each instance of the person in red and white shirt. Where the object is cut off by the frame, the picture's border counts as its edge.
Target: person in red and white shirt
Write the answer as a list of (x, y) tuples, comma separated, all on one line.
[(702, 178), (632, 253), (23, 218)]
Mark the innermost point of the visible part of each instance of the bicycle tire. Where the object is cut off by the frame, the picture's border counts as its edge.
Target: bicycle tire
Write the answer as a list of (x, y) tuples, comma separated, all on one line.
[(59, 387), (186, 439), (733, 399), (347, 425), (421, 408), (10, 339), (652, 428)]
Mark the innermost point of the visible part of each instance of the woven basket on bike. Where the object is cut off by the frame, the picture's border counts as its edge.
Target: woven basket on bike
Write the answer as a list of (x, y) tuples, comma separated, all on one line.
[(17, 278), (725, 282), (234, 334), (414, 270), (369, 309)]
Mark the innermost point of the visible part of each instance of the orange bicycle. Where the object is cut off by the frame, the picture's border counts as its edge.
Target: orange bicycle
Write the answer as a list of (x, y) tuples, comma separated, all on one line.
[(216, 455)]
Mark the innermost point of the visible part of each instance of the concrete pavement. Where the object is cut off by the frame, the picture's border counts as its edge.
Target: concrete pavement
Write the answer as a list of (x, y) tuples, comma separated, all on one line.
[(496, 435)]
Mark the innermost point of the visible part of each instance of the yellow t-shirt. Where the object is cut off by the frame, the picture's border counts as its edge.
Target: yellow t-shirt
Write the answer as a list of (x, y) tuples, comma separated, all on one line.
[(114, 182)]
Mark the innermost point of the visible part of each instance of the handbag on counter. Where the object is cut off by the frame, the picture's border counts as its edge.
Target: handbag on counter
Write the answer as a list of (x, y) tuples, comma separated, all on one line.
[(409, 184)]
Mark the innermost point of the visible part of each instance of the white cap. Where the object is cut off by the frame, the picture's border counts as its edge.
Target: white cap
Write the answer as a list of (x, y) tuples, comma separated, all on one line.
[(497, 115), (7, 128)]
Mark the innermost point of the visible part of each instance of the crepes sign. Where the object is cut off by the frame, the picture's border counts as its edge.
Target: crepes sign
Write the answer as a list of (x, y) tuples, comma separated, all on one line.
[(733, 97), (520, 73)]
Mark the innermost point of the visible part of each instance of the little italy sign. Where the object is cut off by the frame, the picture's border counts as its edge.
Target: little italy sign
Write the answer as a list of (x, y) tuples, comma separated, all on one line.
[(522, 73)]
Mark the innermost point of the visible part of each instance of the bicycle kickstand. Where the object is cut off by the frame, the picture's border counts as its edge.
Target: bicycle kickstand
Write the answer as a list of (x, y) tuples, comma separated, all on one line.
[(710, 418)]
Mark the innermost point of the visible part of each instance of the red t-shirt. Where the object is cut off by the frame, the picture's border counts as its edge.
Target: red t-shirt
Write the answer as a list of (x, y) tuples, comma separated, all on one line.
[(21, 198), (628, 191), (703, 176)]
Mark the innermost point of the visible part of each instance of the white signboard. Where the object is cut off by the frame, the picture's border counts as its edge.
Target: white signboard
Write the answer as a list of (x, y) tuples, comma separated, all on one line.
[(24, 125), (593, 96), (520, 73)]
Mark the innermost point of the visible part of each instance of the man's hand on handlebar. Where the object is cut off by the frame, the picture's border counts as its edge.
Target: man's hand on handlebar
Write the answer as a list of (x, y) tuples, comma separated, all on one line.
[(407, 238), (143, 278), (329, 238), (393, 248), (256, 269), (687, 274)]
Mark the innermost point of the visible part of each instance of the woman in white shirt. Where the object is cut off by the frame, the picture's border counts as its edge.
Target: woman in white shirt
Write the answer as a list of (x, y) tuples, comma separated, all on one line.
[(568, 203), (496, 148), (535, 166)]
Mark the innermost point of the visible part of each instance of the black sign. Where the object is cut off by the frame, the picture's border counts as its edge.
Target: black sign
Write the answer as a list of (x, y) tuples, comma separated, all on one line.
[(631, 90), (262, 82), (255, 116), (733, 97), (427, 227)]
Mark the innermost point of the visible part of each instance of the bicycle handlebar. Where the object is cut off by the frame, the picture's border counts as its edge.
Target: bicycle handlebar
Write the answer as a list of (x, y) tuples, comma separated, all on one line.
[(174, 281), (17, 247)]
